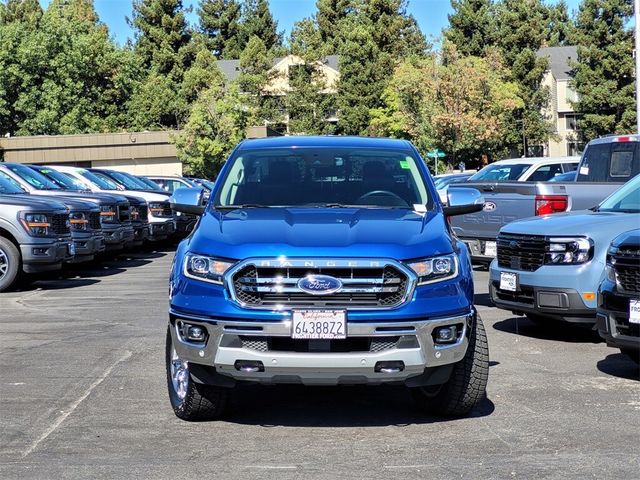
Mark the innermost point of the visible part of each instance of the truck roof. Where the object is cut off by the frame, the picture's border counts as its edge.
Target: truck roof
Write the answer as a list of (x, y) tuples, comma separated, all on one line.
[(535, 160), (325, 141)]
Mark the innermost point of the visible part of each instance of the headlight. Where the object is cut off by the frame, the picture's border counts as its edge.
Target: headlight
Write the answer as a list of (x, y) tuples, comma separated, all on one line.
[(568, 251), (78, 221), (157, 209), (611, 261), (107, 213), (435, 269), (36, 224), (207, 269)]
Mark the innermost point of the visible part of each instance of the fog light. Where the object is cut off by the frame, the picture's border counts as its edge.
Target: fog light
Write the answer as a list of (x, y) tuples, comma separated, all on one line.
[(192, 333), (446, 334), (195, 334)]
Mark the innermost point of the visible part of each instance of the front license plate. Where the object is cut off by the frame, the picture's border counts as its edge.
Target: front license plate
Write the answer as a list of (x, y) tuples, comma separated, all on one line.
[(72, 248), (490, 249), (634, 311), (319, 324), (508, 281)]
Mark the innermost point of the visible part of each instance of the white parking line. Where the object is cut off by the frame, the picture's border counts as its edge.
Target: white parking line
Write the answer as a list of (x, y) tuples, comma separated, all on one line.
[(65, 413)]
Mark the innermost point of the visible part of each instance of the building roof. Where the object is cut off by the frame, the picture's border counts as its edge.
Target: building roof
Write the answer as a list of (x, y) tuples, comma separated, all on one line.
[(320, 141), (231, 68), (559, 58)]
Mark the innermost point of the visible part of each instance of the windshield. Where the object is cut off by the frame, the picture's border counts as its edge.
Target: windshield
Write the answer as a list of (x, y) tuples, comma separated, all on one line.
[(60, 179), (500, 172), (33, 178), (102, 181), (150, 183), (130, 183), (8, 185), (323, 177), (626, 199)]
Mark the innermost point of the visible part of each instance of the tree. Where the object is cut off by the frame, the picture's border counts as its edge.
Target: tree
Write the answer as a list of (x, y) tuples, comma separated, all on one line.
[(329, 16), (60, 72), (521, 31), (461, 105), (472, 27), (161, 32), (561, 29), (257, 21), (27, 11), (372, 38), (217, 122), (604, 72), (220, 21)]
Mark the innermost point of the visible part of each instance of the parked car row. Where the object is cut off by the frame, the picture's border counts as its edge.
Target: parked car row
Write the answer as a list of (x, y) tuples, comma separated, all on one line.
[(50, 215), (567, 263)]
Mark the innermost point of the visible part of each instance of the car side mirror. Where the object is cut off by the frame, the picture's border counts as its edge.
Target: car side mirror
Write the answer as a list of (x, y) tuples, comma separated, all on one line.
[(463, 200), (187, 200)]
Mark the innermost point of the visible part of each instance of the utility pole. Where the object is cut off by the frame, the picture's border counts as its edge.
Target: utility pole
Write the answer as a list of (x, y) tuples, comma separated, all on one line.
[(637, 54)]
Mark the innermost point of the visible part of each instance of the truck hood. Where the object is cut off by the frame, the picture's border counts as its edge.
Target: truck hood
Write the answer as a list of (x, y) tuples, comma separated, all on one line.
[(43, 204), (573, 223), (313, 232)]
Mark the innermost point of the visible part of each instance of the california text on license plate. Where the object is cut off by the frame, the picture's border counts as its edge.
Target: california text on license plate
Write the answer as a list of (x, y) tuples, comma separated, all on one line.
[(634, 311), (508, 281), (319, 324)]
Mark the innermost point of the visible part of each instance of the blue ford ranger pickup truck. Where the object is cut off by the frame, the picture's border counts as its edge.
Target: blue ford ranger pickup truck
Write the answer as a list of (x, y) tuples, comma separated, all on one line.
[(324, 261)]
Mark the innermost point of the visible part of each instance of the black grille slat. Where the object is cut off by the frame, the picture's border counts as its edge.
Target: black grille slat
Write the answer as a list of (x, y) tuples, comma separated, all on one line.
[(627, 268), (377, 287), (60, 223), (520, 252), (124, 214), (143, 213), (287, 344), (94, 221)]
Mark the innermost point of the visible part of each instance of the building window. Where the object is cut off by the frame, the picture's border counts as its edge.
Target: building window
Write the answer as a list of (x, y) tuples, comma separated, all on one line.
[(574, 148), (572, 95), (571, 122)]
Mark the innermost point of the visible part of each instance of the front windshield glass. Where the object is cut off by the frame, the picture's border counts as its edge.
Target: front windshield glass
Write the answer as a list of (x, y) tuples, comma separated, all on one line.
[(8, 186), (323, 177), (102, 181), (128, 182), (150, 183), (500, 173), (33, 178), (60, 179), (626, 199)]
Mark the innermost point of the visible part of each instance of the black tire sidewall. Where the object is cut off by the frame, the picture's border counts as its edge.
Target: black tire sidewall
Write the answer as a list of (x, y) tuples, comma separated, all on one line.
[(14, 264)]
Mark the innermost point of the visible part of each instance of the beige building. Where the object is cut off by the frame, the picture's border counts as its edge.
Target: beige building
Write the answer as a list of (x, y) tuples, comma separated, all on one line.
[(283, 68), (560, 112), (140, 153)]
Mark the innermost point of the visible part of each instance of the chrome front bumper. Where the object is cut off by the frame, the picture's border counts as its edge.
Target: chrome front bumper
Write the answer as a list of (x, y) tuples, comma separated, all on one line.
[(224, 348)]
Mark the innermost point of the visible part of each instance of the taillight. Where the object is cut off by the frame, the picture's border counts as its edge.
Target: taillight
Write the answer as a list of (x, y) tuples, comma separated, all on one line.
[(548, 204)]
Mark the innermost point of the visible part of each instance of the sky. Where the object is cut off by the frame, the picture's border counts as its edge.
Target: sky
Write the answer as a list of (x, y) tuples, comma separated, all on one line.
[(430, 14)]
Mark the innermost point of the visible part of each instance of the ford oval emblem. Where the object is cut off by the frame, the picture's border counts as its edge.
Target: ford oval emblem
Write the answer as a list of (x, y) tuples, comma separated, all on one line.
[(489, 206), (319, 284)]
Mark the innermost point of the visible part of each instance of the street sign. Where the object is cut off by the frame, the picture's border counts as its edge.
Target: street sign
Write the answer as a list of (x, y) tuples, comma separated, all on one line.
[(436, 153)]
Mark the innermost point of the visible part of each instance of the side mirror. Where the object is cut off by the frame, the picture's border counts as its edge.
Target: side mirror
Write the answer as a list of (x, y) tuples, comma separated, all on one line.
[(463, 200), (187, 200)]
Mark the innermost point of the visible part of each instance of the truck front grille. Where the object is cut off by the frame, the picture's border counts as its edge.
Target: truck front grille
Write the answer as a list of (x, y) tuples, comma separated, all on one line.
[(520, 252), (94, 221), (627, 268), (143, 213), (124, 214), (350, 344), (382, 286), (60, 223)]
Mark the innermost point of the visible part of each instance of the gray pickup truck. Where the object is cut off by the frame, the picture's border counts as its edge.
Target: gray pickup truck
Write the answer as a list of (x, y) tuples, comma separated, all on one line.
[(606, 164), (35, 234)]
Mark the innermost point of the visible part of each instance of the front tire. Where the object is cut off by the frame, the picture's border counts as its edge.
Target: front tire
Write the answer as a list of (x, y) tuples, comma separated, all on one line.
[(190, 400), (10, 264), (468, 382)]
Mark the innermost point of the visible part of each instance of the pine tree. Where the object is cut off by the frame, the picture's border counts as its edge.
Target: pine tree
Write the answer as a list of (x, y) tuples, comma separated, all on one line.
[(521, 32), (26, 11), (604, 72), (161, 32), (561, 29), (257, 21), (330, 14), (472, 26), (220, 21)]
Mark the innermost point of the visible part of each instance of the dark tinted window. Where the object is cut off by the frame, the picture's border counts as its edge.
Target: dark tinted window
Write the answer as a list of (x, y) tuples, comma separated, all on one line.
[(544, 173), (613, 162)]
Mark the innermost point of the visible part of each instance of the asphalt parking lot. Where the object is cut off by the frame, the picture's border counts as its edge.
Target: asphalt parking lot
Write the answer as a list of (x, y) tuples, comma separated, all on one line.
[(83, 395)]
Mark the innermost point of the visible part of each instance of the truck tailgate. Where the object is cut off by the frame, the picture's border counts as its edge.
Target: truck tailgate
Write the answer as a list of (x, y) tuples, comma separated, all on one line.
[(504, 203)]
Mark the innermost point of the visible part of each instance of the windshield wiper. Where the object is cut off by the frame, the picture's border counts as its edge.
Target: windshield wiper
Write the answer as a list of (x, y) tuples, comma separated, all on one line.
[(244, 205)]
